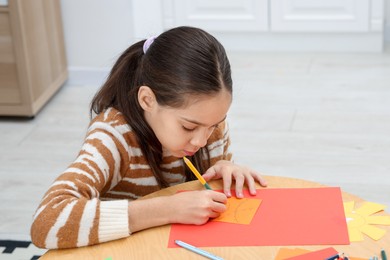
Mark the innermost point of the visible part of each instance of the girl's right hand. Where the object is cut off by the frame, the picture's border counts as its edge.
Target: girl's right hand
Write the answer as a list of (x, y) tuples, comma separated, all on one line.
[(196, 207)]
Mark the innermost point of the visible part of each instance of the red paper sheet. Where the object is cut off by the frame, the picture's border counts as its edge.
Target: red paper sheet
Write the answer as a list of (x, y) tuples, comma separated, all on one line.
[(307, 216)]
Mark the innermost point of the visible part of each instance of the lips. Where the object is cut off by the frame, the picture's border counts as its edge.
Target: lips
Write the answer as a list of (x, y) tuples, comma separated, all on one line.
[(189, 153)]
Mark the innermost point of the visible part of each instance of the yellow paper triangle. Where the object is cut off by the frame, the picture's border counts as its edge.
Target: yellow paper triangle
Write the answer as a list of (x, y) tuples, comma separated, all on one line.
[(369, 208), (349, 206), (373, 232), (355, 235), (378, 220)]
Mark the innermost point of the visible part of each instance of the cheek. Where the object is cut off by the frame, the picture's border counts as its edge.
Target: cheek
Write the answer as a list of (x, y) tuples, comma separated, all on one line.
[(173, 138), (179, 139)]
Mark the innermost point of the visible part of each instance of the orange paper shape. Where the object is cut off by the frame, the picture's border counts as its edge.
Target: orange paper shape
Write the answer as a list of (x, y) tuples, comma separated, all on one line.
[(285, 253), (319, 254), (239, 211), (287, 216)]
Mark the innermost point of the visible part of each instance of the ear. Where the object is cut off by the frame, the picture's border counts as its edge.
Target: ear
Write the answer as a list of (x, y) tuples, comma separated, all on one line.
[(146, 98)]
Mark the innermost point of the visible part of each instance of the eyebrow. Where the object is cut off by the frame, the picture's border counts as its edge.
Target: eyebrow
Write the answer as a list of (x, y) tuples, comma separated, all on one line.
[(199, 123)]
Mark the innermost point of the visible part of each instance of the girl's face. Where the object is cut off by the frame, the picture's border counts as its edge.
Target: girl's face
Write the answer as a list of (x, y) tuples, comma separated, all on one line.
[(183, 131)]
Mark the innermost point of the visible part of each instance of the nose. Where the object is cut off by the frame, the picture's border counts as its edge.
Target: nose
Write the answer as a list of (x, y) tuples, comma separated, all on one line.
[(200, 139)]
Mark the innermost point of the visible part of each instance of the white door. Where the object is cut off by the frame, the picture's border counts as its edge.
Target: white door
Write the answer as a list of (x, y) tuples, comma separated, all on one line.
[(320, 15)]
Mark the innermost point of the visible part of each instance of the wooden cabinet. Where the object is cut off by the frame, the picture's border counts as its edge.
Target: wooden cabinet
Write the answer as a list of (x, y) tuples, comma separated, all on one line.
[(32, 55)]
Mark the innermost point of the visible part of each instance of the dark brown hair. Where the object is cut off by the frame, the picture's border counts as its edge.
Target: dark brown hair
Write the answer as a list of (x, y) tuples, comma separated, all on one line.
[(180, 62)]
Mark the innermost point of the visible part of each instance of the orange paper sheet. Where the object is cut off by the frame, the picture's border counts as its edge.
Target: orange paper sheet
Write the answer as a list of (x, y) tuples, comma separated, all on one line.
[(307, 216), (239, 211)]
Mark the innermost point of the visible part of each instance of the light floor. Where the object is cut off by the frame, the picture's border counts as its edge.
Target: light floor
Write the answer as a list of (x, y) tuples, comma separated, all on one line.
[(320, 117)]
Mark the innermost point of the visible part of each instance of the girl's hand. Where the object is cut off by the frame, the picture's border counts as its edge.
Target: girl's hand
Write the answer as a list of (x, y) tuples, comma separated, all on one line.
[(196, 207), (228, 170)]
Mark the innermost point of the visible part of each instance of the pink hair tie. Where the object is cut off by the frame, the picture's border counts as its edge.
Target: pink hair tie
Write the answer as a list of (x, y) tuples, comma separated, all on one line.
[(148, 42)]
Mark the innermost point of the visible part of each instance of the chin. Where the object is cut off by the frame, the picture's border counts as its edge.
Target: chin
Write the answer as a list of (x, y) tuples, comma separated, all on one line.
[(177, 154)]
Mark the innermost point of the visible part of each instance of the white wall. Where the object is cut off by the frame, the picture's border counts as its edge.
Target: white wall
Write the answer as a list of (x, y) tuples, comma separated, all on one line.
[(97, 31)]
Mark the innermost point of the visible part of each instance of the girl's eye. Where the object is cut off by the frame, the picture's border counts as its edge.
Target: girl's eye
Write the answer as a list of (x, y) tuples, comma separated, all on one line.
[(188, 129)]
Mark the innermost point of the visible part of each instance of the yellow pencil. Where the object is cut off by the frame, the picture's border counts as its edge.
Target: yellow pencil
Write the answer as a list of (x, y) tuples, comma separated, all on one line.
[(197, 174)]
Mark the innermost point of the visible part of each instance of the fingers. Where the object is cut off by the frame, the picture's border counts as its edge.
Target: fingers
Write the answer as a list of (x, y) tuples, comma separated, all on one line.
[(197, 207), (240, 180), (217, 204), (218, 171), (210, 174), (251, 184), (215, 201), (260, 179), (227, 183), (217, 196), (252, 178), (218, 207), (245, 175), (241, 175)]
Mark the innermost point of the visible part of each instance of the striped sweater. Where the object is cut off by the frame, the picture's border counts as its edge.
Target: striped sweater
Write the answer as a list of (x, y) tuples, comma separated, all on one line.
[(88, 203)]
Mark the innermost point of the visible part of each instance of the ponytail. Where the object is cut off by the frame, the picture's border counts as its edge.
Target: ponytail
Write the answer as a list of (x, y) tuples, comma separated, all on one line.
[(120, 91)]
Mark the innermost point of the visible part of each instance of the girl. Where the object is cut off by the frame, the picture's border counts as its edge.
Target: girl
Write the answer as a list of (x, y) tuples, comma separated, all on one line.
[(165, 98)]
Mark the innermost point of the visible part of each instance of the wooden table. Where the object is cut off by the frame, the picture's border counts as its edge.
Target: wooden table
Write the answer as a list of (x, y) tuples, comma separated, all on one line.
[(152, 243)]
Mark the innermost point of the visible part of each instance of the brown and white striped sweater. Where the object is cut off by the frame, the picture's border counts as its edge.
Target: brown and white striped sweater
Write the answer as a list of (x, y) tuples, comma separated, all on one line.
[(88, 203)]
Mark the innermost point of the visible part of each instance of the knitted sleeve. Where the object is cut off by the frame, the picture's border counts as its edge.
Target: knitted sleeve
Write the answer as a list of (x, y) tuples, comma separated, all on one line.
[(71, 213)]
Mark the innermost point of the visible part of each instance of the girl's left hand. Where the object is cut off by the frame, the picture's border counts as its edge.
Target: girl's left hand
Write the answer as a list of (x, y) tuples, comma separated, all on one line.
[(228, 170)]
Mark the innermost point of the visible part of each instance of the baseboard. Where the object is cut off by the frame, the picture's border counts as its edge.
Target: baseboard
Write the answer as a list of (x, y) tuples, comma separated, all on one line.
[(303, 42), (87, 76)]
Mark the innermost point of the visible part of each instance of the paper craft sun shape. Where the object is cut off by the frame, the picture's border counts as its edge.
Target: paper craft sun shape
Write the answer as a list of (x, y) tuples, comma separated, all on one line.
[(360, 220)]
